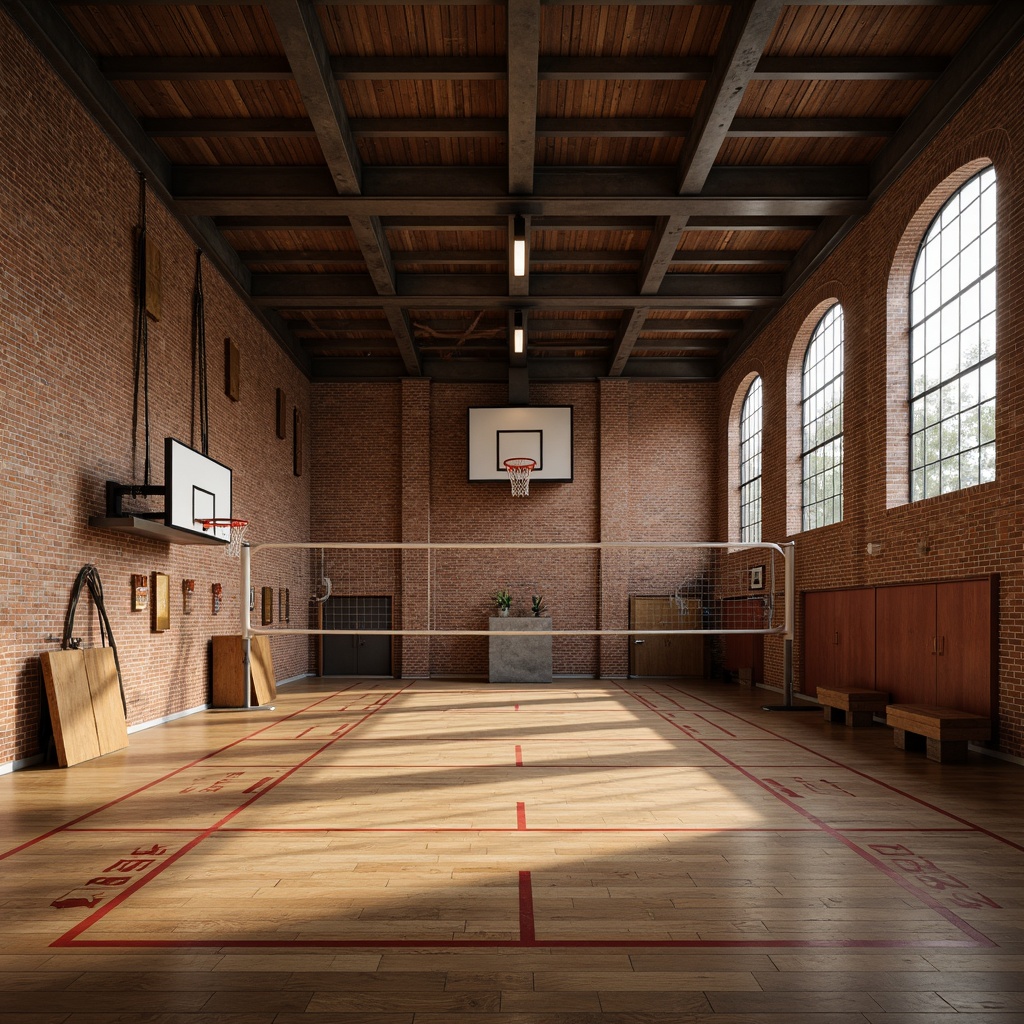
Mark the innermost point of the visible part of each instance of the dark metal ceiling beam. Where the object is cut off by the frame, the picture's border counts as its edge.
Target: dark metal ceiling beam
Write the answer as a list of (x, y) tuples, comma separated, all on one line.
[(671, 69), (626, 336), (746, 32), (304, 46), (660, 249), (544, 3), (522, 53), (488, 291), (539, 325), (494, 127)]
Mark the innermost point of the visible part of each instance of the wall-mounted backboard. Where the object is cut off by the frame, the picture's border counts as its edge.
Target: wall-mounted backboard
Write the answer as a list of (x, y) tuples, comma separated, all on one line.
[(197, 488), (542, 433)]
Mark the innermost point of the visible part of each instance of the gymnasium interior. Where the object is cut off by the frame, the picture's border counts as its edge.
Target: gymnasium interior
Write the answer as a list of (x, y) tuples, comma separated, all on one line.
[(533, 487)]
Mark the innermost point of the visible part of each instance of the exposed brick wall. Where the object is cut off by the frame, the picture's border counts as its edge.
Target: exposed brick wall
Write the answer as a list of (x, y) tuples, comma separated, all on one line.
[(70, 206), (639, 446), (971, 532)]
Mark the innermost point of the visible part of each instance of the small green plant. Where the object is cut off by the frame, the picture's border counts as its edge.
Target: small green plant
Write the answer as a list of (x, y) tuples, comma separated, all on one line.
[(503, 599), (538, 605)]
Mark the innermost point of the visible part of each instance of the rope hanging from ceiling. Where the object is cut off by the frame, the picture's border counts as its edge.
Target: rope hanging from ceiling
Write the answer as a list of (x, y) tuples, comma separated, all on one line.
[(200, 395), (141, 353)]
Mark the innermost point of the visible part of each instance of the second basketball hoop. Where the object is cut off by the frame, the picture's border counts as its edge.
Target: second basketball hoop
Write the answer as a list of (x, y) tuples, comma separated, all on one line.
[(519, 471)]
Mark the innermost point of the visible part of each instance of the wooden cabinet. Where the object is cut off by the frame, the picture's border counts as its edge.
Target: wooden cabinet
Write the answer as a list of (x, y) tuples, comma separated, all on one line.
[(936, 644), (229, 671), (839, 639)]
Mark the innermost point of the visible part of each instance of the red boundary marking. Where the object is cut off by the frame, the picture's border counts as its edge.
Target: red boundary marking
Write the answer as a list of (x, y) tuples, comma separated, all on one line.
[(519, 755), (876, 862), (864, 775), (156, 782), (527, 926), (520, 817), (68, 938)]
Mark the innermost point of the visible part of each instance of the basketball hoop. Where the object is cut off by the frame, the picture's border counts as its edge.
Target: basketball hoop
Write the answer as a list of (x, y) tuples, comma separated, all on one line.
[(237, 528), (519, 471)]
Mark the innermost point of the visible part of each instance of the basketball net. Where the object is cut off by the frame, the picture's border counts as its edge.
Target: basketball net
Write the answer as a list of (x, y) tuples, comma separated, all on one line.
[(237, 528), (519, 471)]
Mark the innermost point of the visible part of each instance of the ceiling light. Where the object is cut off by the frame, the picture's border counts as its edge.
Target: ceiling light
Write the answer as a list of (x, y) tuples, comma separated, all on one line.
[(518, 334), (519, 246)]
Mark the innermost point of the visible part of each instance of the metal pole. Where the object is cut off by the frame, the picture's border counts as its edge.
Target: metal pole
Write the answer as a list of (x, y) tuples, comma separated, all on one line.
[(789, 594), (243, 602)]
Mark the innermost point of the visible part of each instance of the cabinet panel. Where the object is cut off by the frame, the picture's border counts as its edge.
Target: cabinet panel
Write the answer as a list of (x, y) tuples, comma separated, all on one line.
[(839, 639), (963, 623), (904, 632), (855, 625)]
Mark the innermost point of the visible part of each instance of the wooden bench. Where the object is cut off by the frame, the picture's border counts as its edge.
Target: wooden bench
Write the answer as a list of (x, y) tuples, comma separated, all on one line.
[(851, 706), (946, 730)]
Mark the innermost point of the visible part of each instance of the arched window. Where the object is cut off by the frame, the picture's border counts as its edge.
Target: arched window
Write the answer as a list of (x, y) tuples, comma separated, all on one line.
[(822, 419), (750, 463), (953, 345)]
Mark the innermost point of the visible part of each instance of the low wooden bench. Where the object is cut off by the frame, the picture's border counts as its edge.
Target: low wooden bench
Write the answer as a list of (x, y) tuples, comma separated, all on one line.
[(850, 705), (945, 730)]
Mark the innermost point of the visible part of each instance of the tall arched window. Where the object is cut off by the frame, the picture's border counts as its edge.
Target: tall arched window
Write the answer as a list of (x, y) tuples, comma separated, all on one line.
[(822, 418), (750, 463), (953, 345)]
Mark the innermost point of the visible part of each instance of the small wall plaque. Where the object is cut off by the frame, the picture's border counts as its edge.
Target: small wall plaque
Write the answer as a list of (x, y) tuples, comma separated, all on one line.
[(282, 414), (161, 602), (268, 606), (757, 577), (232, 370), (140, 592)]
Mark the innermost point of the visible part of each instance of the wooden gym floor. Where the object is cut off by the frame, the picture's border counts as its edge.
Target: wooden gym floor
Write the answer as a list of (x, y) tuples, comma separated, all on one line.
[(384, 852)]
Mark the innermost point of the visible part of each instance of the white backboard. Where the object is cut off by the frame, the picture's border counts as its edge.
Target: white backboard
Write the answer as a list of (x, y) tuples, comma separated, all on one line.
[(542, 433), (197, 487)]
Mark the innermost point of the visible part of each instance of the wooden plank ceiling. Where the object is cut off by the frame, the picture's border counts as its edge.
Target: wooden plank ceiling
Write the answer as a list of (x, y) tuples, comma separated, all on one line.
[(358, 168)]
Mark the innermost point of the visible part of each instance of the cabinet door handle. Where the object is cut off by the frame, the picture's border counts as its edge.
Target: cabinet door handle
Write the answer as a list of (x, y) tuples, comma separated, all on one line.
[(942, 645), (935, 645), (836, 640), (638, 641)]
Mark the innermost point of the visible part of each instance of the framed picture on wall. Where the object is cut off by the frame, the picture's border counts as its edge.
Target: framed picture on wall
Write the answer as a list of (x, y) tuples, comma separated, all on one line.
[(757, 577)]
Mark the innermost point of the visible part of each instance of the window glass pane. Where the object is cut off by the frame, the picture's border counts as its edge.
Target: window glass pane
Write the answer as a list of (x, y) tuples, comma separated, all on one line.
[(750, 463), (822, 406), (953, 345)]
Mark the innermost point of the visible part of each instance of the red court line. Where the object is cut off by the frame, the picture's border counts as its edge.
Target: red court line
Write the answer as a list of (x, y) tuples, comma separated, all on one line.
[(256, 785), (864, 775), (68, 938), (520, 817), (527, 930), (519, 756), (519, 943), (156, 782), (876, 862)]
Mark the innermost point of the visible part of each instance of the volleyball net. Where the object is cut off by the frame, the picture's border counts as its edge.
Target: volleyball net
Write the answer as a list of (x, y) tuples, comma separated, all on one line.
[(437, 590)]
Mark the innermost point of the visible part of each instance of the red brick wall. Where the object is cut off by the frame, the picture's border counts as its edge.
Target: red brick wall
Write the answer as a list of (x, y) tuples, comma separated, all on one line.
[(639, 447), (970, 532), (70, 202)]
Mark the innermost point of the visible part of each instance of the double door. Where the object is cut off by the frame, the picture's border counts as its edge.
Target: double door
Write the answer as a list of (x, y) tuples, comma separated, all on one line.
[(355, 653), (936, 644)]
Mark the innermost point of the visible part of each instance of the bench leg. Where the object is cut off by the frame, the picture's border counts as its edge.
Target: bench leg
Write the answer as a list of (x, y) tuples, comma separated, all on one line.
[(947, 750), (907, 740), (834, 714)]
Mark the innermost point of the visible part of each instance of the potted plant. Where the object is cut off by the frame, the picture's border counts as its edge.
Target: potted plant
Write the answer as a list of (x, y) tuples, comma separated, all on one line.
[(538, 605), (503, 599)]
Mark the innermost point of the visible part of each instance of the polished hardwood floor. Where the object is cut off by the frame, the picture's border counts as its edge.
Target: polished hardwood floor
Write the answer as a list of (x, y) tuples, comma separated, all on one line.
[(453, 852)]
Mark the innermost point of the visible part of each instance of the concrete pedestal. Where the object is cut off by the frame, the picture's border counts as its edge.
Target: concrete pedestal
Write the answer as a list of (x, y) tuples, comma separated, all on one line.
[(519, 659)]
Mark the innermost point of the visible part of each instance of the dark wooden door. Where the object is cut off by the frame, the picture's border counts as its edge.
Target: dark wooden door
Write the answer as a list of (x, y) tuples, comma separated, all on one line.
[(905, 634), (743, 650), (665, 655), (353, 654), (964, 628)]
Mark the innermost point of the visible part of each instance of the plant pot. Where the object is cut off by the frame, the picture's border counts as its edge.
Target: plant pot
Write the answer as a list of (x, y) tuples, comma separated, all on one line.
[(503, 612)]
